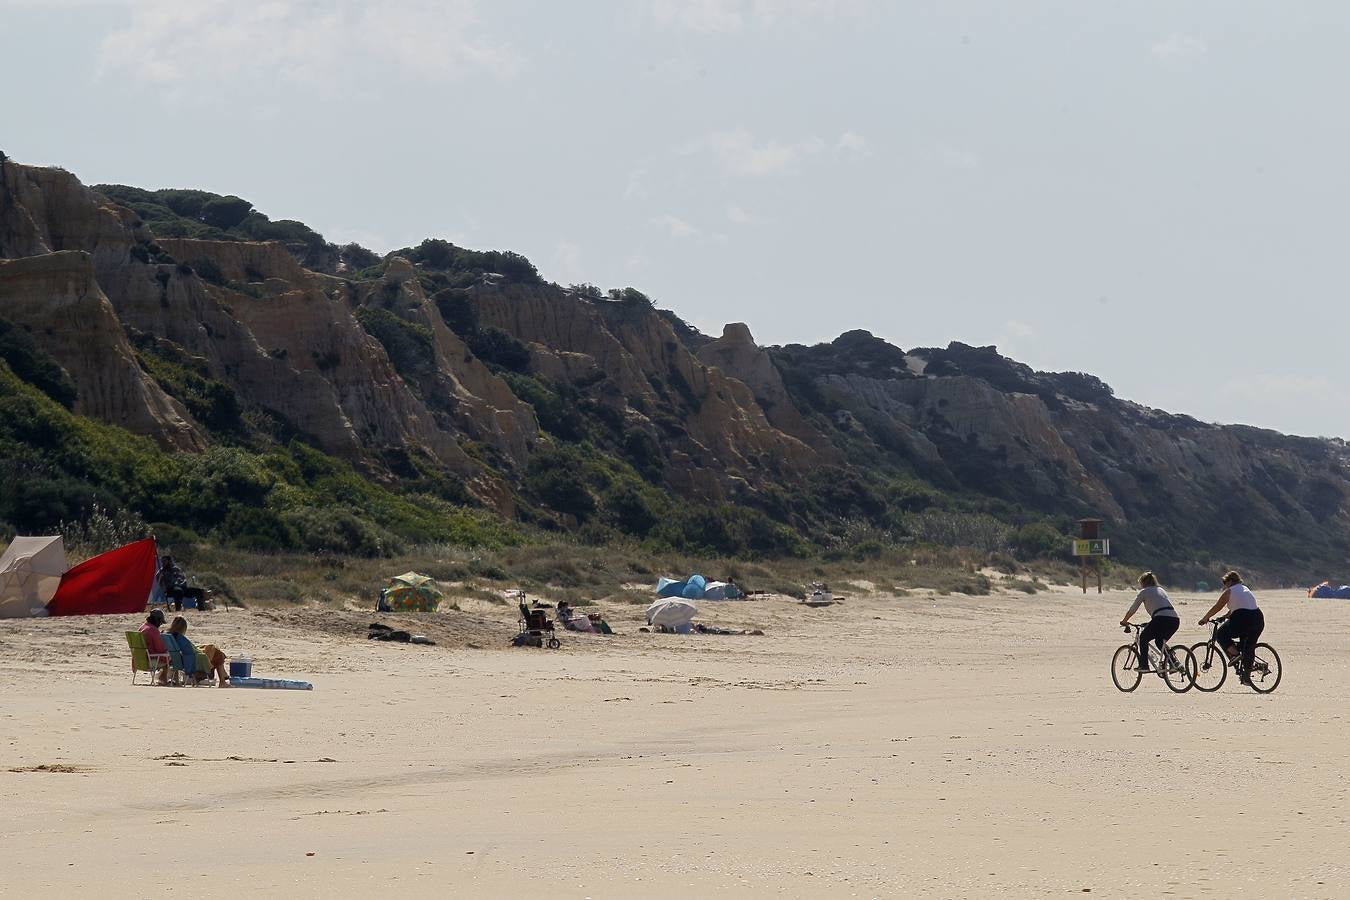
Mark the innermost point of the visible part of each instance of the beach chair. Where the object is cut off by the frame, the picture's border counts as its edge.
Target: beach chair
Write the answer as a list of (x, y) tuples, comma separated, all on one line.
[(175, 656), (142, 660), (538, 627), (176, 662)]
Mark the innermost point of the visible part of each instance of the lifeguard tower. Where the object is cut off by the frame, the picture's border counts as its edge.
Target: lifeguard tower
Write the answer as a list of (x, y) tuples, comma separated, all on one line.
[(1090, 547)]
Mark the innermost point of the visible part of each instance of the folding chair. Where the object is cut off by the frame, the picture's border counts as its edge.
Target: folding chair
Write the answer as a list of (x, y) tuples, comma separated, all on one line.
[(142, 660)]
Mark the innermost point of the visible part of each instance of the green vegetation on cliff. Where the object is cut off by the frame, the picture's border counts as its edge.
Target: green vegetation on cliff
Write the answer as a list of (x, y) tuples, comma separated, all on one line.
[(59, 467)]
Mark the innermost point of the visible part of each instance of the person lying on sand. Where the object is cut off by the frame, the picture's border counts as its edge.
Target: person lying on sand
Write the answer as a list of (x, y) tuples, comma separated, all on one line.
[(1163, 619), (713, 629)]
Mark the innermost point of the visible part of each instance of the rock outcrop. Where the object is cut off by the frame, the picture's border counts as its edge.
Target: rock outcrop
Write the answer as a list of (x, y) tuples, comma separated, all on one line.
[(630, 360), (284, 338), (737, 355), (57, 298)]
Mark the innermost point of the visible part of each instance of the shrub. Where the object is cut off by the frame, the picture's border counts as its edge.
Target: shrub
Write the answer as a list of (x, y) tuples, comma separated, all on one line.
[(101, 530), (339, 531), (225, 212), (628, 508), (556, 477), (493, 345), (1037, 540), (260, 530), (33, 365), (208, 270), (411, 346), (953, 529)]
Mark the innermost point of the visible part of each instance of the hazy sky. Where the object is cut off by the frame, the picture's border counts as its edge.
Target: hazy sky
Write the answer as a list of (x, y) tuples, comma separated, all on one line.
[(1154, 192)]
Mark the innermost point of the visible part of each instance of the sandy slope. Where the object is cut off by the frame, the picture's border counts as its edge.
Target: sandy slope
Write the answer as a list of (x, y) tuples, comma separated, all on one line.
[(908, 747)]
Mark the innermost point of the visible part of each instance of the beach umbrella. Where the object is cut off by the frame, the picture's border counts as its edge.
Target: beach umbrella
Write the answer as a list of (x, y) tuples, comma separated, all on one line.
[(411, 592), (671, 612)]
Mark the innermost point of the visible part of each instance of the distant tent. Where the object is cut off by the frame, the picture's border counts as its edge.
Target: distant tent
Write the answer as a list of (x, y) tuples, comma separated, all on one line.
[(669, 587), (721, 590), (118, 581), (696, 587), (1326, 590), (30, 571)]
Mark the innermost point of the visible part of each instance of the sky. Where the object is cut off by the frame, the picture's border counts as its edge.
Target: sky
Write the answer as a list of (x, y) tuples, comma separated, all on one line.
[(1154, 192)]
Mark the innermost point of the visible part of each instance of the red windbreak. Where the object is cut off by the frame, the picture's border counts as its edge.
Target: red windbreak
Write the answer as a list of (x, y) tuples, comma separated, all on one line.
[(114, 582)]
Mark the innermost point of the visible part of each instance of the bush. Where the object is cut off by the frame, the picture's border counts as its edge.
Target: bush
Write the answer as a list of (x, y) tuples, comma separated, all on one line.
[(492, 345), (628, 509), (208, 270), (556, 477), (260, 530), (411, 346), (225, 212), (953, 529), (102, 530), (1038, 540), (34, 366), (339, 531)]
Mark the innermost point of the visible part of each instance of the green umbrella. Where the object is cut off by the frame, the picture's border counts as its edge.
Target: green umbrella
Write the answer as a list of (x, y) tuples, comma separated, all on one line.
[(411, 592)]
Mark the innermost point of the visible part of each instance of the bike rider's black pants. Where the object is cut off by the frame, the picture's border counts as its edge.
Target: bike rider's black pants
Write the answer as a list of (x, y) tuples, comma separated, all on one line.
[(1246, 624), (1158, 630)]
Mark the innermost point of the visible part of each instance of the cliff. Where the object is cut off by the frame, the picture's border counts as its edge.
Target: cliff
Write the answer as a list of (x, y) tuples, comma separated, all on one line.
[(462, 375)]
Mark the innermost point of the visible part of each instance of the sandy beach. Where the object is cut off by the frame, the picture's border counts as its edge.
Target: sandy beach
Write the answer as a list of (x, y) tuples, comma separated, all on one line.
[(916, 746)]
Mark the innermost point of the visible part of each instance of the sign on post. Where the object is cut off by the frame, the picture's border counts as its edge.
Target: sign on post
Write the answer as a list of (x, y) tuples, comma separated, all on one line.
[(1097, 547)]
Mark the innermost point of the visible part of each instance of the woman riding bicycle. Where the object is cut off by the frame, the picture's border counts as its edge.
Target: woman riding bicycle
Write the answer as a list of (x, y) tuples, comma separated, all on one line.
[(1163, 619), (1246, 621)]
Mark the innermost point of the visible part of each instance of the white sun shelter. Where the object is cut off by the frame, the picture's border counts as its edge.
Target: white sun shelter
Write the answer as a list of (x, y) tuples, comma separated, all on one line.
[(30, 571)]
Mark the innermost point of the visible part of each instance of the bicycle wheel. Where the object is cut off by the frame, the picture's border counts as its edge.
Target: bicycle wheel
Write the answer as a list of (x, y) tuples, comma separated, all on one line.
[(1179, 670), (1211, 666), (1123, 671), (1266, 670)]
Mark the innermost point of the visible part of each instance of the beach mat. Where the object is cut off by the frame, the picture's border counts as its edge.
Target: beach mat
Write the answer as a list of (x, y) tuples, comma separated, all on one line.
[(284, 684)]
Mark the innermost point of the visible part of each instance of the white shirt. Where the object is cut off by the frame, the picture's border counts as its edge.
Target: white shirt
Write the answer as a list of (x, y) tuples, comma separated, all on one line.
[(1155, 603), (1239, 597)]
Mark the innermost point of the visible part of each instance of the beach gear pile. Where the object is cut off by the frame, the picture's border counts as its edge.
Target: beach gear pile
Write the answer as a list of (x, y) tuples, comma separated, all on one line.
[(1327, 590)]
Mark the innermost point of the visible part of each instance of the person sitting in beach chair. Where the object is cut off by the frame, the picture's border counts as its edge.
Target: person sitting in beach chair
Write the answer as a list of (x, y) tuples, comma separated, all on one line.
[(154, 642), (573, 620), (214, 658), (172, 581)]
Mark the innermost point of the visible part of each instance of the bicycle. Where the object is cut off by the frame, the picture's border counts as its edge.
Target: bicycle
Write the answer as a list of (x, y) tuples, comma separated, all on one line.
[(1212, 664), (1178, 673)]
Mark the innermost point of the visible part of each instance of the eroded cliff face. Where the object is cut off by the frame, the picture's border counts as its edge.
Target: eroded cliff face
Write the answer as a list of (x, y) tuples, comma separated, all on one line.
[(282, 337), (478, 402), (1062, 443), (376, 371), (737, 355), (629, 359), (56, 297)]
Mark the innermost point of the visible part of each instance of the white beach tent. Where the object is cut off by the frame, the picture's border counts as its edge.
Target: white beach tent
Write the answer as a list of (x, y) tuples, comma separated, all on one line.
[(30, 572)]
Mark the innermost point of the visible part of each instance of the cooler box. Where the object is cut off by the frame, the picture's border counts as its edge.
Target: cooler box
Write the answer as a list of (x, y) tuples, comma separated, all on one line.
[(241, 668)]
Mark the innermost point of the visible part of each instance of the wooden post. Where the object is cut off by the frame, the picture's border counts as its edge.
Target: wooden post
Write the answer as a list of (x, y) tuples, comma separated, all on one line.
[(1090, 530)]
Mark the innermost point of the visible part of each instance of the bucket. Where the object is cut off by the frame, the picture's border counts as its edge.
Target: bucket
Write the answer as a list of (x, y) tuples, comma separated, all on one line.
[(241, 667)]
